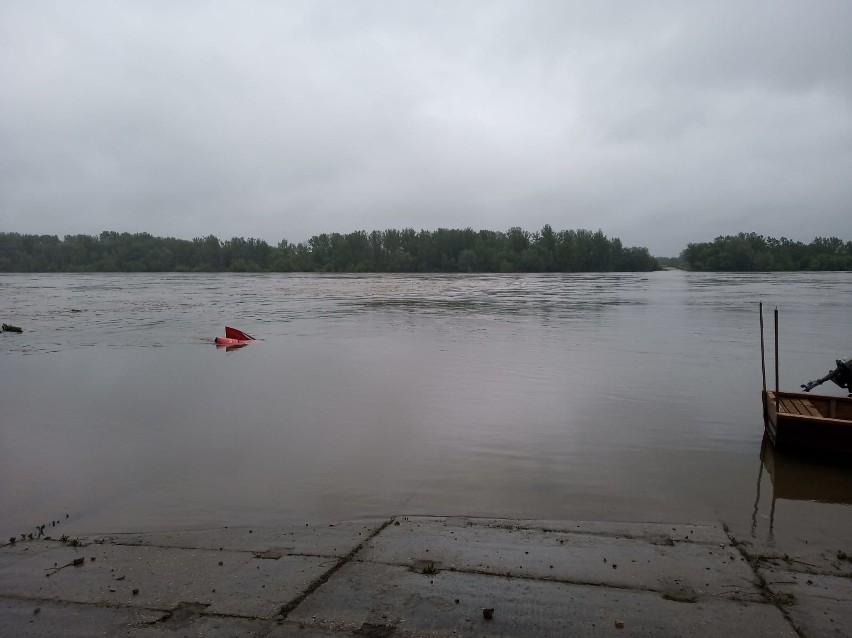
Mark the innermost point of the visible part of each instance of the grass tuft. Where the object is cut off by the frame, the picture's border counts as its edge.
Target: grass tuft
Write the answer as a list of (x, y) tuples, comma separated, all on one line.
[(430, 569)]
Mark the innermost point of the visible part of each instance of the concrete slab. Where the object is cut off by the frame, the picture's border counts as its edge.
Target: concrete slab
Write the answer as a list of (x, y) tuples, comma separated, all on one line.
[(187, 622), (710, 533), (819, 605), (301, 630), (31, 619), (805, 557), (820, 617), (388, 600), (12, 554), (325, 539), (685, 570), (232, 583), (40, 619), (564, 578), (814, 585)]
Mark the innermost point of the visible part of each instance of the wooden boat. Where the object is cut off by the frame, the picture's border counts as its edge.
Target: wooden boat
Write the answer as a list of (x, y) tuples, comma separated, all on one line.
[(798, 421)]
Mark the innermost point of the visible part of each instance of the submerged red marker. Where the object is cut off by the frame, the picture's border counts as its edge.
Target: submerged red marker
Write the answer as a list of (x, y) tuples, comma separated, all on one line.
[(234, 337)]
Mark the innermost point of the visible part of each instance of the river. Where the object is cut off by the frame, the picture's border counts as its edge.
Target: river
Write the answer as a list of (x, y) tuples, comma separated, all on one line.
[(630, 397)]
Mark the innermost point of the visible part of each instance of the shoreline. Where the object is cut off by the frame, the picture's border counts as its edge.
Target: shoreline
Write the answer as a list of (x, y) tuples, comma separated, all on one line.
[(424, 575)]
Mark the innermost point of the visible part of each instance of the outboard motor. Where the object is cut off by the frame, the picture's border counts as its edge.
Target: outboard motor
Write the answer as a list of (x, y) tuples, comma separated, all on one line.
[(841, 376)]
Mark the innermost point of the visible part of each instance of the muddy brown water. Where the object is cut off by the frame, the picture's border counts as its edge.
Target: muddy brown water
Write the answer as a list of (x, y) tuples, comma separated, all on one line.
[(630, 397)]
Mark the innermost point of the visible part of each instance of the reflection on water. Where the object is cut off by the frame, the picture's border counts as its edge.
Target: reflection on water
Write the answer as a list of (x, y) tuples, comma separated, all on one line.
[(799, 478), (231, 347), (615, 396), (805, 478)]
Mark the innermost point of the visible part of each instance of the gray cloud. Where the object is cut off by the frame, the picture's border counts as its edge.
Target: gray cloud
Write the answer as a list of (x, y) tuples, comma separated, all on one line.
[(660, 123)]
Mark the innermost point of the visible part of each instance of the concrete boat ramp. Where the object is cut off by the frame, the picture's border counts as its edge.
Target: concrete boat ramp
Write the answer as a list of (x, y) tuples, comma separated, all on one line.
[(422, 576)]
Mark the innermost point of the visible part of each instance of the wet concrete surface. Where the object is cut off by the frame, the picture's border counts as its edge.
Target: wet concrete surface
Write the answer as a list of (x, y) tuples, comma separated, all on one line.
[(422, 576)]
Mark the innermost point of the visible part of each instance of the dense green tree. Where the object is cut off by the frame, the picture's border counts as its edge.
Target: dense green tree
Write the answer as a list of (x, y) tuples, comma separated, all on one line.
[(746, 252), (406, 250)]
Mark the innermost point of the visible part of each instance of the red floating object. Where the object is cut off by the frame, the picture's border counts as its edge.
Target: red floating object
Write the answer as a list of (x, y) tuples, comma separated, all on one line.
[(234, 337)]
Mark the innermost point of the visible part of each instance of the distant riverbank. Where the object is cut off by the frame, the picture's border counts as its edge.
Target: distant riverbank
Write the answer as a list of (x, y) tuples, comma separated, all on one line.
[(443, 250)]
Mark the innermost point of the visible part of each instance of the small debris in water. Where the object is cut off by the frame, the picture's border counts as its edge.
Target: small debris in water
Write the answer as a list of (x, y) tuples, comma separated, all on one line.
[(136, 592), (619, 624), (488, 613)]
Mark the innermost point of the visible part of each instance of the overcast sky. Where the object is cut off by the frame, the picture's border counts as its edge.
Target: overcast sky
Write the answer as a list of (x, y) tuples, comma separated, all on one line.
[(657, 122)]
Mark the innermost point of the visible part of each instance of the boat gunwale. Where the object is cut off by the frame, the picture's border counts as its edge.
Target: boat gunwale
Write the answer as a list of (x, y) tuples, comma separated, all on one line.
[(820, 419), (808, 395), (814, 399)]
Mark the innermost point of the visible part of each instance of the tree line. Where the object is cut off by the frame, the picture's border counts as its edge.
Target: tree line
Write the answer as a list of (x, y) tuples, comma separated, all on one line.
[(751, 252), (407, 250), (442, 250)]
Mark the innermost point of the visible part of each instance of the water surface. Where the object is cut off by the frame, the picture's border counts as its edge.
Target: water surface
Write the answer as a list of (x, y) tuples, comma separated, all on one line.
[(609, 396)]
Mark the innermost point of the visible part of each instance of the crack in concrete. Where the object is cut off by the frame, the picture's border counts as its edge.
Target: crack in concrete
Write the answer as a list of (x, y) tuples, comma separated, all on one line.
[(562, 581), (268, 554), (287, 609), (85, 603), (762, 585)]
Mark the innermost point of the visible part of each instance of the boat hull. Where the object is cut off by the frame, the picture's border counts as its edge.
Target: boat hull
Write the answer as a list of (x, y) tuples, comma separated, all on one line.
[(809, 423)]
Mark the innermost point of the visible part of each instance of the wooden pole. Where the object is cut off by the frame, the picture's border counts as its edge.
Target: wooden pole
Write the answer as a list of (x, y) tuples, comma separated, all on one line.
[(776, 360), (763, 445), (763, 361)]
